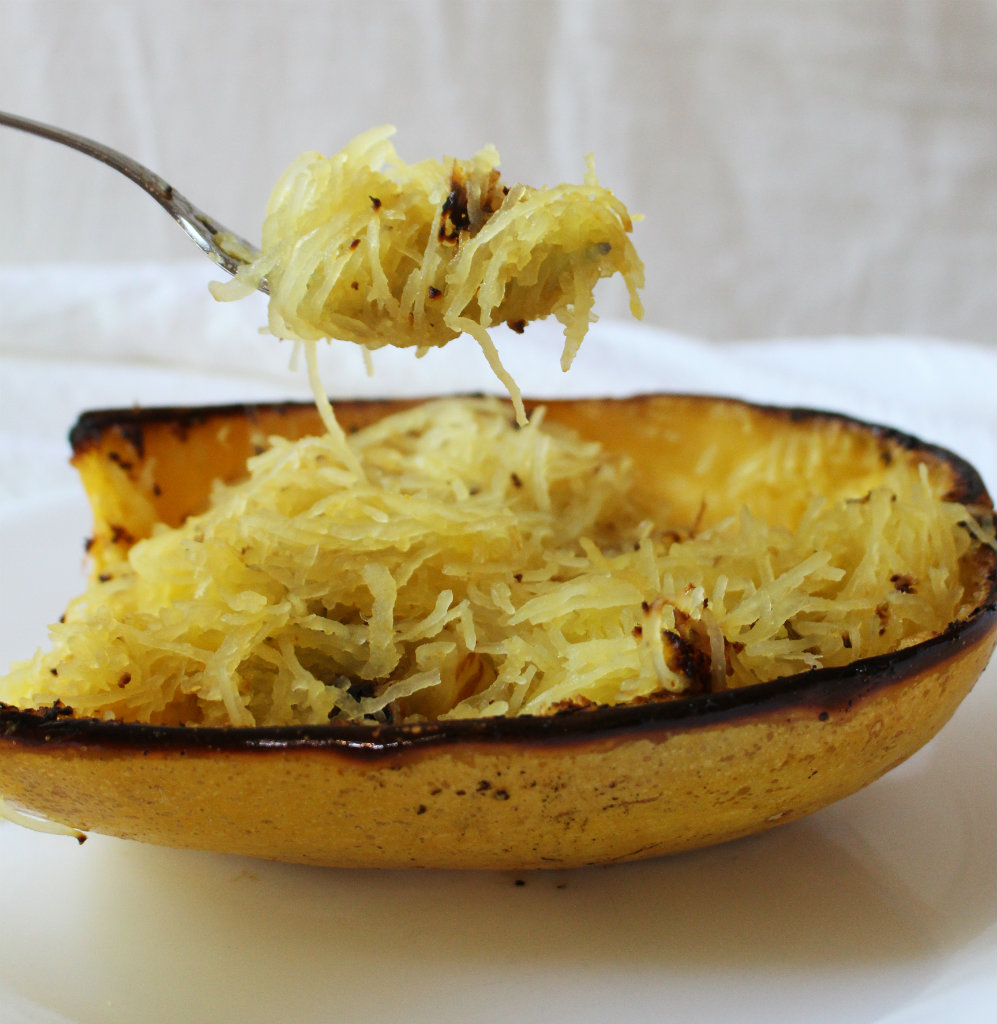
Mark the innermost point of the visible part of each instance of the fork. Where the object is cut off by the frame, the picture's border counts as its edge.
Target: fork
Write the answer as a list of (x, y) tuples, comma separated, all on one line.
[(218, 243)]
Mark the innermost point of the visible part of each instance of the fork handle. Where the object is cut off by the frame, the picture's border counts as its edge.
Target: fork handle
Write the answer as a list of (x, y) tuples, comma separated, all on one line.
[(211, 238)]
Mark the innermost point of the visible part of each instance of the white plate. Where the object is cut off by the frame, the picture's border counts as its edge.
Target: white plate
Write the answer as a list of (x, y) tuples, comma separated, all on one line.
[(879, 909)]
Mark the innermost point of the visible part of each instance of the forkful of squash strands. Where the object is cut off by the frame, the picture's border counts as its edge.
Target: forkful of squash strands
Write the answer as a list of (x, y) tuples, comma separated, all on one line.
[(363, 247)]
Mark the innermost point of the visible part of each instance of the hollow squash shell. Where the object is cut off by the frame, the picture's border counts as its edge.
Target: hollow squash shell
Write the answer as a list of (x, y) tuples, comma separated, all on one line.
[(577, 788)]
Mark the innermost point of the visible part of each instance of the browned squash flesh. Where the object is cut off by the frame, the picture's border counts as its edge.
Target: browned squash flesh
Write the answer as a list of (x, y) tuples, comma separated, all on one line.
[(585, 787)]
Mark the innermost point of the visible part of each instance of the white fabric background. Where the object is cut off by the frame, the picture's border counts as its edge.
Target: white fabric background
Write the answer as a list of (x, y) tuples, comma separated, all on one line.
[(806, 167), (816, 169)]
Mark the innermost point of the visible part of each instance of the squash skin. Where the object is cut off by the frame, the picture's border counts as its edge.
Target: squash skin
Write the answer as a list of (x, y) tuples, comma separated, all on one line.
[(572, 789)]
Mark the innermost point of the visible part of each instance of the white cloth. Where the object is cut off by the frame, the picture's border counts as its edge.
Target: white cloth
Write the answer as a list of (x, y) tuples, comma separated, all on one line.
[(808, 168)]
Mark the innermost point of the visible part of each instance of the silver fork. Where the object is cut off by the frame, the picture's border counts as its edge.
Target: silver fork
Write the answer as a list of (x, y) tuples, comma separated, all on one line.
[(218, 243)]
